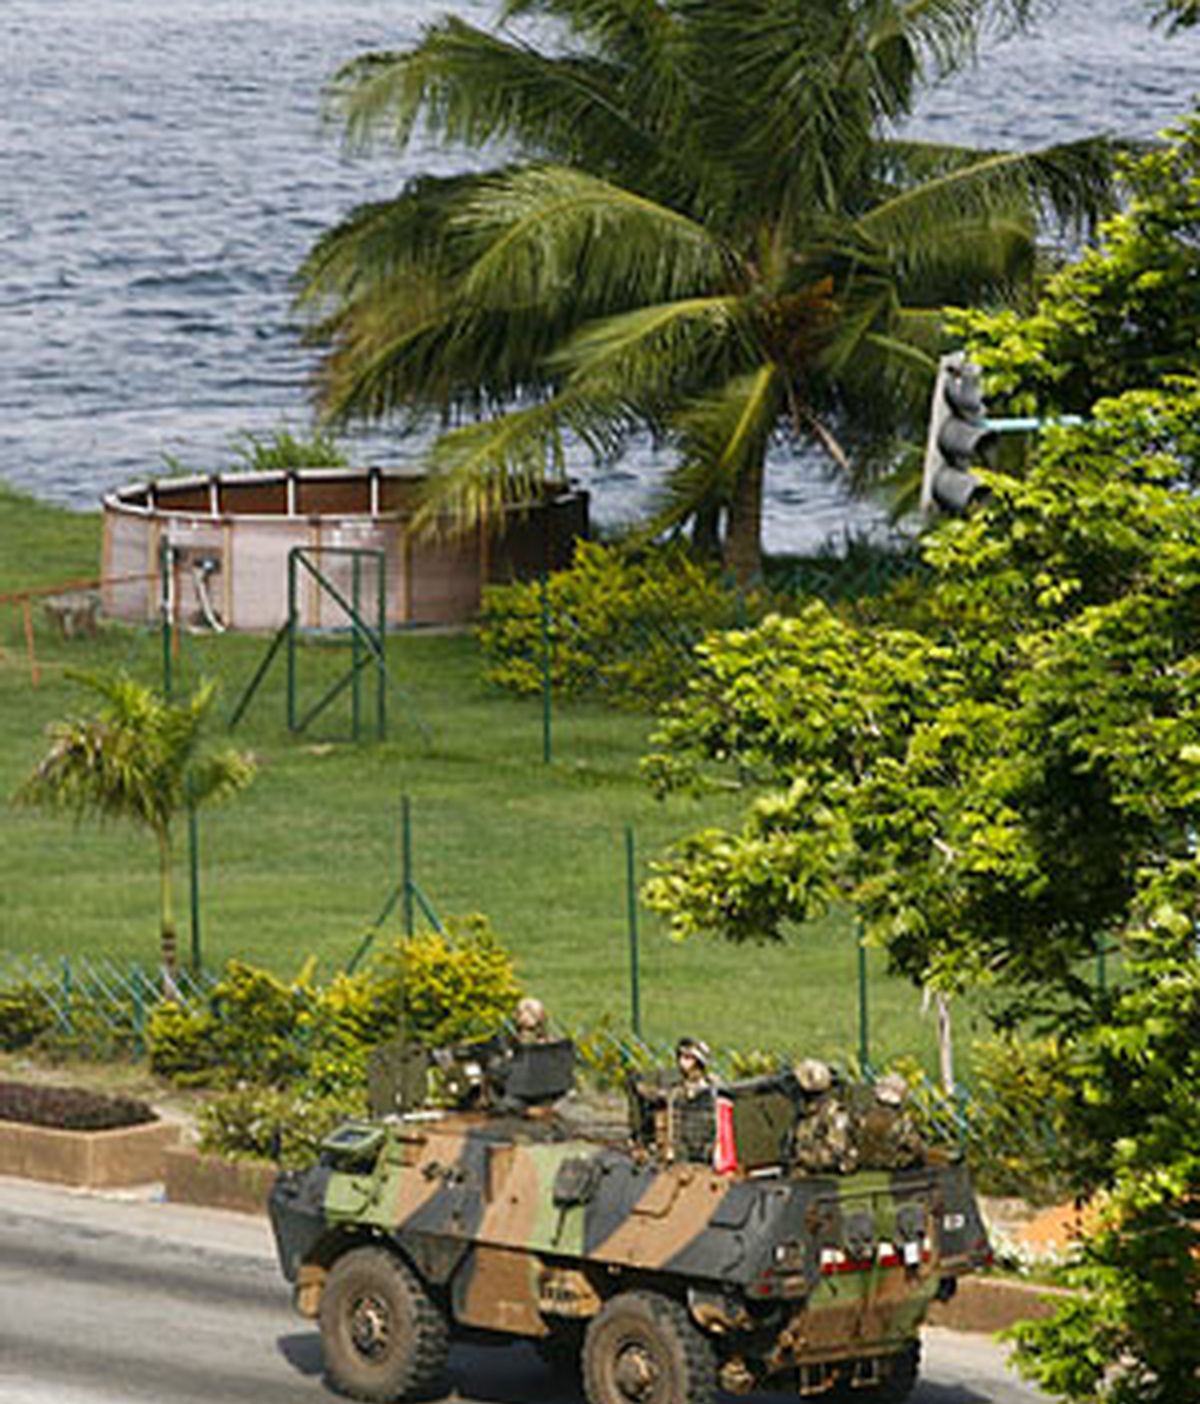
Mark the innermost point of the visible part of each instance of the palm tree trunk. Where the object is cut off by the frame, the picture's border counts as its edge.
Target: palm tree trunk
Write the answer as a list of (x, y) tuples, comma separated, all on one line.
[(166, 907), (706, 531), (743, 540)]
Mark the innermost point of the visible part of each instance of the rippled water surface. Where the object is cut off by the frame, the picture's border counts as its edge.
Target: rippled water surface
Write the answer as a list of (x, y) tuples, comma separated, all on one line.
[(163, 168)]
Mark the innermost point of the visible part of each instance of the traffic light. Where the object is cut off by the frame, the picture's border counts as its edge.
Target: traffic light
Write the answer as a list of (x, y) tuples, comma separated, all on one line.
[(959, 435)]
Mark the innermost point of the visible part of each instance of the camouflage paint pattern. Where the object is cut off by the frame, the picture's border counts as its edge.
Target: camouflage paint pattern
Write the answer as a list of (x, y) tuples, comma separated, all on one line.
[(518, 1229)]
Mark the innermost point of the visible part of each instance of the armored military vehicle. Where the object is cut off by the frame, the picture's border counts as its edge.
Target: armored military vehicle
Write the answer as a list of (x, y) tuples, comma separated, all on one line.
[(689, 1253)]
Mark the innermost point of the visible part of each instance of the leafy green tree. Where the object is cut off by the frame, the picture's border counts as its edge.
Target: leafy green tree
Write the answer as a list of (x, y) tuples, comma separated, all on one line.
[(1006, 789), (139, 758), (707, 230), (1130, 1337), (990, 785)]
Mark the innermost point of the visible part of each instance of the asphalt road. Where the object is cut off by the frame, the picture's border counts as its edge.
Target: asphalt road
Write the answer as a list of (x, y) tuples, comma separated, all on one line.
[(107, 1300)]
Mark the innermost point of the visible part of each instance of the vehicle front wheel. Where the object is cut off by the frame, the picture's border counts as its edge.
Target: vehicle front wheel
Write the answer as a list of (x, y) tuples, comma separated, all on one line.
[(382, 1336), (643, 1348)]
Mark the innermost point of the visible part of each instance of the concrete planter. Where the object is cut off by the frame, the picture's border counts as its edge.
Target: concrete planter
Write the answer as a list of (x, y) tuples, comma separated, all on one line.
[(993, 1304), (130, 1155), (193, 1178)]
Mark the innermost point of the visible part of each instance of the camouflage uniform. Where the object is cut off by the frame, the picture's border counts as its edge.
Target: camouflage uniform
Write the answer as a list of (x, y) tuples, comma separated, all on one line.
[(823, 1142), (691, 1105), (887, 1134)]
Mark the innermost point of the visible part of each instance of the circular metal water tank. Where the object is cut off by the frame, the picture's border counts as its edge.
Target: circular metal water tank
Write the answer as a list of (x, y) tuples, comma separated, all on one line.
[(230, 536)]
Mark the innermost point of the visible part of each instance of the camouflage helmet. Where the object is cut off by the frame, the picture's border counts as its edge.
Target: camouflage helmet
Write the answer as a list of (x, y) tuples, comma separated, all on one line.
[(891, 1090), (813, 1075)]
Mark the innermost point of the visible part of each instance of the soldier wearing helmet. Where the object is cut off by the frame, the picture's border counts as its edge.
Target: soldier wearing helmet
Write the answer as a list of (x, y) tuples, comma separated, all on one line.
[(823, 1141), (691, 1062), (888, 1135), (530, 1021), (691, 1104)]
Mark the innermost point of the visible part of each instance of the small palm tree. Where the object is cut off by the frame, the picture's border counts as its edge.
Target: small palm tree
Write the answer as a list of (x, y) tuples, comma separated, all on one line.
[(139, 758), (710, 232)]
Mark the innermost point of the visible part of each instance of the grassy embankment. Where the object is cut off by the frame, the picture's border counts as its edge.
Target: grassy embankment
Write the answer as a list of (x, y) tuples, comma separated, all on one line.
[(302, 862)]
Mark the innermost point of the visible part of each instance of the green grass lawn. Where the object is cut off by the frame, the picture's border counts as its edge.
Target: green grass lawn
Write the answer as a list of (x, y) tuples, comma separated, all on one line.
[(303, 862)]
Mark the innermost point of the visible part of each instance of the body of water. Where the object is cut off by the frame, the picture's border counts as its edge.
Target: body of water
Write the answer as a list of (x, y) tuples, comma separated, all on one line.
[(163, 168)]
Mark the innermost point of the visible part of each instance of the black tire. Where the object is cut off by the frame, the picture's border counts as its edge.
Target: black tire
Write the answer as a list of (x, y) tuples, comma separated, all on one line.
[(901, 1377), (643, 1349), (897, 1384), (561, 1353), (383, 1338)]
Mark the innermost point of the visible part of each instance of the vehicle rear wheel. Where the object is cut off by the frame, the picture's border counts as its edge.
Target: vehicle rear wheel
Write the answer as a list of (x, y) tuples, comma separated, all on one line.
[(643, 1348), (896, 1385), (382, 1336)]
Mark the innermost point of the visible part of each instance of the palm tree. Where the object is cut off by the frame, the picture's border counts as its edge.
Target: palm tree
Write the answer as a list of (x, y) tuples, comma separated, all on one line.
[(713, 234), (139, 758)]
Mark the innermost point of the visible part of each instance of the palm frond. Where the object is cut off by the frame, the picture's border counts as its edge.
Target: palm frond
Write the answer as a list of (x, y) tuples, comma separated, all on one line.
[(947, 31), (478, 470), (642, 38), (545, 235), (1073, 182), (720, 436), (645, 359), (474, 88)]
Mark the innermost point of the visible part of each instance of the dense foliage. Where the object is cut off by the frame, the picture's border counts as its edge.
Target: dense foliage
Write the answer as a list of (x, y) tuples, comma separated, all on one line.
[(618, 624), (24, 1015), (1127, 316), (992, 791), (256, 1028)]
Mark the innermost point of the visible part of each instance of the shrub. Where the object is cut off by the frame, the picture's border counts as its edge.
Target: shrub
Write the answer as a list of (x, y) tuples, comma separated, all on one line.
[(1016, 1130), (448, 986), (257, 1029), (282, 449), (261, 1123), (622, 624), (250, 1029), (24, 1016), (92, 1031)]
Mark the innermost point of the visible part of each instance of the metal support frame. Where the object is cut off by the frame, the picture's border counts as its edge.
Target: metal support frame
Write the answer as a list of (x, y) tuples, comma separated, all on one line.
[(366, 640), (367, 644)]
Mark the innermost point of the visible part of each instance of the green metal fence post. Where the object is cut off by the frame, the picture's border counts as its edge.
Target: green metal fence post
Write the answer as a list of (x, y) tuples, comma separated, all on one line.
[(635, 994), (864, 1048), (164, 598), (139, 1006), (194, 874), (291, 640), (546, 670), (355, 647), (381, 672), (66, 993), (406, 873)]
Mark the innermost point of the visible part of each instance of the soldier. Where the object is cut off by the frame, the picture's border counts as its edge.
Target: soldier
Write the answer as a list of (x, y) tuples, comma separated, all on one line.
[(530, 1021), (823, 1142), (887, 1133), (691, 1062), (691, 1104)]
